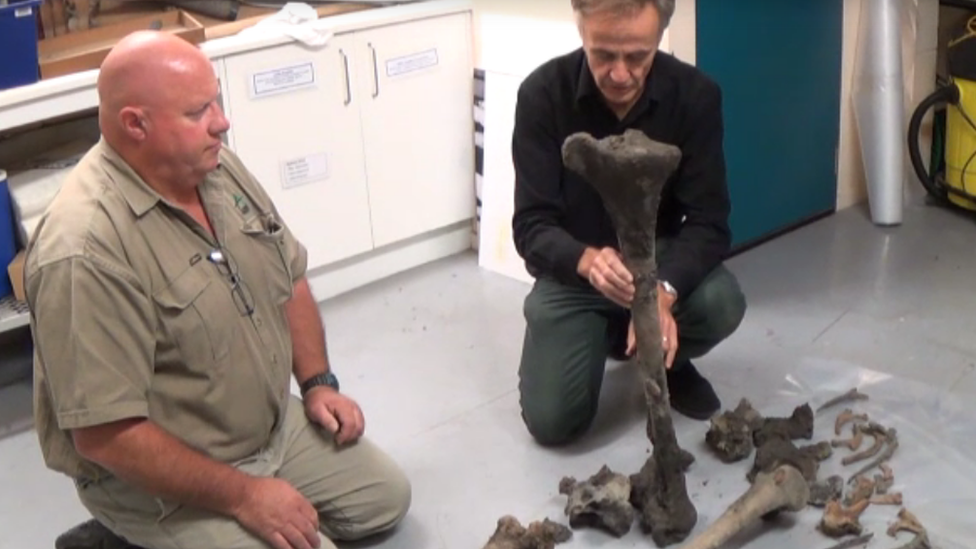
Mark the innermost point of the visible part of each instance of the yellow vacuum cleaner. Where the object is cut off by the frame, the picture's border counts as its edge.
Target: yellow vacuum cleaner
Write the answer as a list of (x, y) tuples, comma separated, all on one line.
[(953, 175)]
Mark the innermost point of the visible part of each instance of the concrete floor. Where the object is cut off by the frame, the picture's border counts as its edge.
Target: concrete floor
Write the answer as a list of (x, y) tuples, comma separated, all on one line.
[(431, 355)]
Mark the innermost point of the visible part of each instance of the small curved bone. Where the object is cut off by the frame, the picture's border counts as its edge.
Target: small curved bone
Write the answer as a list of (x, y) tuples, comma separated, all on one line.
[(839, 521), (892, 439), (910, 523), (893, 498), (852, 443), (849, 396), (884, 481), (880, 435), (846, 417)]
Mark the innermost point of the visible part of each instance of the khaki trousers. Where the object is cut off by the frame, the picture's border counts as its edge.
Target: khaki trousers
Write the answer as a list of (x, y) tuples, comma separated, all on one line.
[(357, 490)]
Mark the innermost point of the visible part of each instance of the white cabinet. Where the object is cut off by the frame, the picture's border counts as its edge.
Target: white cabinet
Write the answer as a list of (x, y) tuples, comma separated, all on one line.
[(417, 100), (365, 142), (296, 127)]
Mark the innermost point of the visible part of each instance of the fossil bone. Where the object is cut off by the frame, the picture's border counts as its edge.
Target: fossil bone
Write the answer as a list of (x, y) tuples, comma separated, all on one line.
[(909, 522), (784, 489), (849, 396), (891, 437), (839, 521), (853, 443), (628, 171), (884, 481), (798, 425), (730, 434), (510, 534), (893, 498), (863, 489), (846, 417), (879, 434), (825, 490), (602, 501)]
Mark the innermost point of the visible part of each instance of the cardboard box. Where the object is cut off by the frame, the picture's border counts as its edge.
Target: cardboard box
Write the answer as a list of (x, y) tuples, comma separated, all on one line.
[(16, 272), (86, 49)]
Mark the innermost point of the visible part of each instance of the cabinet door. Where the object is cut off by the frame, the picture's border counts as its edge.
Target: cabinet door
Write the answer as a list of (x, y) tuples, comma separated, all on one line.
[(417, 83), (295, 123)]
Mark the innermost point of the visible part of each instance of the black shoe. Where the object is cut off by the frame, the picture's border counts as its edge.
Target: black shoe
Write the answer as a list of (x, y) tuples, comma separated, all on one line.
[(691, 394), (91, 535)]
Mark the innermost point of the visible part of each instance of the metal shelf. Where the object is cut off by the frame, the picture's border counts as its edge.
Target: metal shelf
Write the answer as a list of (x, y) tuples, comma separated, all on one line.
[(13, 314)]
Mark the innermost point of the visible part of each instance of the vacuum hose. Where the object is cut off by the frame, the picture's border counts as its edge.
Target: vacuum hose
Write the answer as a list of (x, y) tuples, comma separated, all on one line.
[(949, 94)]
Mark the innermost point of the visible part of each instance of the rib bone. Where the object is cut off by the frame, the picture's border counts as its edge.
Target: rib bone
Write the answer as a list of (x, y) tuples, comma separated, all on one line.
[(784, 489), (629, 171)]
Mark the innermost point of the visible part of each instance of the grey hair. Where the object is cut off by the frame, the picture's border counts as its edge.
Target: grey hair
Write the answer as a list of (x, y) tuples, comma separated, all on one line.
[(665, 8)]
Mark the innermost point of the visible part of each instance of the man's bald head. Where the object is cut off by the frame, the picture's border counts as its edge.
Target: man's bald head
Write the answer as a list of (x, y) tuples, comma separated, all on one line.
[(159, 108), (146, 68)]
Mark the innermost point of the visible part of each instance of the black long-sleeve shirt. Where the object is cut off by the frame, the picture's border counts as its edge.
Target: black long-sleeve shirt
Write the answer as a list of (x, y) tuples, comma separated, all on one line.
[(558, 214)]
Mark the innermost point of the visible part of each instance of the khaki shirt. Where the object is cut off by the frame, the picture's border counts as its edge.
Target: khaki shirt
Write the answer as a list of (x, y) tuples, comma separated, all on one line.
[(132, 317)]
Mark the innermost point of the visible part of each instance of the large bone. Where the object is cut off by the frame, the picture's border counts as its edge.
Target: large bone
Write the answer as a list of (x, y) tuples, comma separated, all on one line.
[(784, 489), (628, 171)]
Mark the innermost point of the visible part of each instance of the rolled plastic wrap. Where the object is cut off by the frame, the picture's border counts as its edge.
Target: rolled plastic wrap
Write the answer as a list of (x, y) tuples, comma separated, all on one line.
[(879, 108)]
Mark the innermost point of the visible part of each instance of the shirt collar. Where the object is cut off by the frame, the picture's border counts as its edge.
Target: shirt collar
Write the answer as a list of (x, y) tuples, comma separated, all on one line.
[(137, 193), (655, 85)]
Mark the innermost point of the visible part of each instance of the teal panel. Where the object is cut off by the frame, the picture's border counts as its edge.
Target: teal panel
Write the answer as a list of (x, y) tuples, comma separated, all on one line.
[(779, 65)]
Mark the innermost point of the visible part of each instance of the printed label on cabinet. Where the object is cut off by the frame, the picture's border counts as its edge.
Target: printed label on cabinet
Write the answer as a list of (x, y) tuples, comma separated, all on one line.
[(282, 79), (304, 170), (406, 64)]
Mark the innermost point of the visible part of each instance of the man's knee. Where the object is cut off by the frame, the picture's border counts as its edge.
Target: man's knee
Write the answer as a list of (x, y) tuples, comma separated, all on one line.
[(393, 499), (555, 425), (722, 305)]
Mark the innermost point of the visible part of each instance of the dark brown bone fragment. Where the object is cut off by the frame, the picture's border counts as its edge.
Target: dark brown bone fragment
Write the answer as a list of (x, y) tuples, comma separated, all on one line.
[(629, 171), (602, 501), (730, 434)]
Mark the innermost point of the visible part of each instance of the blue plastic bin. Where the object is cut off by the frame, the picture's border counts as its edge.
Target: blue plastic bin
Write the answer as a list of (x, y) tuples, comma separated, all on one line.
[(8, 238), (18, 43)]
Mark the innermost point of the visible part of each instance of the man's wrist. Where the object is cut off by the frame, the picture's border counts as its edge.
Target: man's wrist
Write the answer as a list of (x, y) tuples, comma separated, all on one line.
[(666, 293), (324, 379)]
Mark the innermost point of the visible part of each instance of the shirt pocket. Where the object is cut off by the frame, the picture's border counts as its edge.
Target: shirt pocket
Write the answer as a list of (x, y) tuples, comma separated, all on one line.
[(197, 315), (270, 252)]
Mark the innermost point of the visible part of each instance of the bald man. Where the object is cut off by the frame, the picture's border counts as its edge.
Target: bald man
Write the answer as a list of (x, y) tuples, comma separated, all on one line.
[(169, 309)]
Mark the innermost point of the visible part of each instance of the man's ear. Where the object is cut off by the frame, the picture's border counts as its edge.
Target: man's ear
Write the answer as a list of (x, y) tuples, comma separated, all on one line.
[(134, 123)]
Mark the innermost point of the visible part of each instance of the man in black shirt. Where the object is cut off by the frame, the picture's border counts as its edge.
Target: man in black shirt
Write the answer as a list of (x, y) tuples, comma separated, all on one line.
[(577, 313)]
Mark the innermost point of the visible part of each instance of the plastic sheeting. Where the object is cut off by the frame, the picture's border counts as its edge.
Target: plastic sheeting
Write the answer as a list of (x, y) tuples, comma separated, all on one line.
[(934, 466), (879, 104)]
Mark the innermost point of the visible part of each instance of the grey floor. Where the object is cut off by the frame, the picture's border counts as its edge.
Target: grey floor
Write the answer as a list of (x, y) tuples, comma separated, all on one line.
[(432, 354)]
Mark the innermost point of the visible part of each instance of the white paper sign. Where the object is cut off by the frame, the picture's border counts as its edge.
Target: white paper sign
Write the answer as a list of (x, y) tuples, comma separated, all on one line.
[(406, 64), (304, 170), (282, 79)]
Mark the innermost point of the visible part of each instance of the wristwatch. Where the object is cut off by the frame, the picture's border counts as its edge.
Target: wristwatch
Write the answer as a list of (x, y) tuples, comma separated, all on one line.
[(669, 288), (328, 379)]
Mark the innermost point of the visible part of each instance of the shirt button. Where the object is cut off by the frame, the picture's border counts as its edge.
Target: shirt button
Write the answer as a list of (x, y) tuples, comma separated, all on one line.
[(274, 359), (257, 321)]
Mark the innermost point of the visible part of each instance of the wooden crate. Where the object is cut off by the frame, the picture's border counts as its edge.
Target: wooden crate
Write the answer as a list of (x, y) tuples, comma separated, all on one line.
[(86, 49)]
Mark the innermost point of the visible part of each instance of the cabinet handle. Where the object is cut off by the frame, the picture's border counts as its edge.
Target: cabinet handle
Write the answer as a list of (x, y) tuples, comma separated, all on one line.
[(345, 66), (376, 73)]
